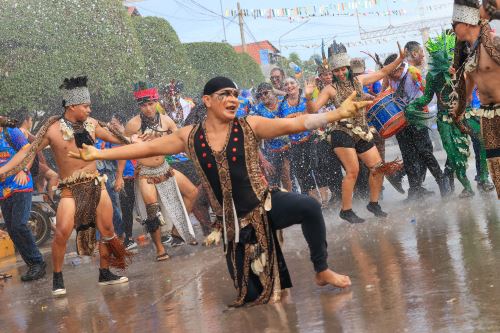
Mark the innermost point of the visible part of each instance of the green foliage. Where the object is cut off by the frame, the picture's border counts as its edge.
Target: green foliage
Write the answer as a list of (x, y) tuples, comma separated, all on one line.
[(164, 55), (43, 42), (440, 50), (220, 59)]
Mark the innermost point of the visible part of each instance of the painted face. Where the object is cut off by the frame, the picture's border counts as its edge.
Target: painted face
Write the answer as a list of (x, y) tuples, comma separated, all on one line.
[(81, 111), (291, 87), (148, 108), (224, 103), (341, 73), (326, 77), (267, 97)]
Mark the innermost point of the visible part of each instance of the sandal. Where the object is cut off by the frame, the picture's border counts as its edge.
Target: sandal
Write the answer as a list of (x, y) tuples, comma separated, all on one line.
[(162, 257), (4, 276)]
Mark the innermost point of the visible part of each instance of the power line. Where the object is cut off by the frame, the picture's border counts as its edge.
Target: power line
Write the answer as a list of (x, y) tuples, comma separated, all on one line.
[(169, 16), (191, 9)]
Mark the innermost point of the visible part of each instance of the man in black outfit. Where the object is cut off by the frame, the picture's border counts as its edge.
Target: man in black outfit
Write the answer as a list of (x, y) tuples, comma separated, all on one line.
[(415, 144)]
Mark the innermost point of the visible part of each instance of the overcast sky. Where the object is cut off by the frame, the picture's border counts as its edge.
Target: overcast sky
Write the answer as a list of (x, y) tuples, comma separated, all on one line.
[(201, 20)]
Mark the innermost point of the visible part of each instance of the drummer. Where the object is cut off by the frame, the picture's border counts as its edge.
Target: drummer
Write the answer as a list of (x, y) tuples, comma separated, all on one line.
[(415, 144), (352, 138)]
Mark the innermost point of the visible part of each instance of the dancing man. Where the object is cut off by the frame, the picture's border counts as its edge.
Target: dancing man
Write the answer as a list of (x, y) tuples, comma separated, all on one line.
[(85, 203), (158, 192), (477, 62), (225, 152)]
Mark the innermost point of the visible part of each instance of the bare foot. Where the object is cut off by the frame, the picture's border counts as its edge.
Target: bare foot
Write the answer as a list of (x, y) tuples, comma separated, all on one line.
[(330, 277)]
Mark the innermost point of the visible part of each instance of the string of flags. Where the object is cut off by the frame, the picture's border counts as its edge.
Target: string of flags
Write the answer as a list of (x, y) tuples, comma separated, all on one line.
[(348, 8), (356, 43)]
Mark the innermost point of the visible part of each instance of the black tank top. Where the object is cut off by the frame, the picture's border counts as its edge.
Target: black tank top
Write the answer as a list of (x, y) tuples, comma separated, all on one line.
[(244, 196)]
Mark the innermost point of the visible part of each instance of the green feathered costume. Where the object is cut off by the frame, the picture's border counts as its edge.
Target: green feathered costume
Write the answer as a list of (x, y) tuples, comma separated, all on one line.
[(472, 121), (439, 83)]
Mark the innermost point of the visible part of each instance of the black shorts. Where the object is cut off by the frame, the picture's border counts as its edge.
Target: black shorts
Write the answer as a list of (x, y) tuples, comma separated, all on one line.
[(341, 139)]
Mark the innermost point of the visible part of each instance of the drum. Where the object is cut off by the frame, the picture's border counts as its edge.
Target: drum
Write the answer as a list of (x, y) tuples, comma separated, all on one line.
[(386, 114)]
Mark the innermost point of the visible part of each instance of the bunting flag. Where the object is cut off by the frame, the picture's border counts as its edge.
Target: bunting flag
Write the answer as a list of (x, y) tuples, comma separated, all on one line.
[(346, 8)]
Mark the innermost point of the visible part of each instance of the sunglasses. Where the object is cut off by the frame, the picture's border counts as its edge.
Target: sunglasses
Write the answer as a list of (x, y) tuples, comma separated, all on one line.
[(454, 25), (226, 93)]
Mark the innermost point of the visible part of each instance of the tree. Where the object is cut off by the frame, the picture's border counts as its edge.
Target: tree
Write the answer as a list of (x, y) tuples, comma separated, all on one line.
[(164, 55), (220, 59), (44, 41)]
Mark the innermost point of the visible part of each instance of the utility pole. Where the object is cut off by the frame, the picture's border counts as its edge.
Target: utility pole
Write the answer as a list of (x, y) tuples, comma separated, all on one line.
[(222, 18), (242, 32)]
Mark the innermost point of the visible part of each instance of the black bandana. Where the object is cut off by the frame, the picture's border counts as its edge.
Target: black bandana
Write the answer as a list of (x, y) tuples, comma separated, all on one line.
[(218, 83)]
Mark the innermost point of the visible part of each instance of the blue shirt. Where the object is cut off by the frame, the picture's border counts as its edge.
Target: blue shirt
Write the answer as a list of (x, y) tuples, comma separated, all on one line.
[(181, 157), (9, 186), (276, 144), (374, 88), (129, 170), (244, 108), (476, 103), (287, 111), (105, 166)]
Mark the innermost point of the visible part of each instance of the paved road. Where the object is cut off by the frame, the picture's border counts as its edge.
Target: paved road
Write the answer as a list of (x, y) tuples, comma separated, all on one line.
[(432, 266)]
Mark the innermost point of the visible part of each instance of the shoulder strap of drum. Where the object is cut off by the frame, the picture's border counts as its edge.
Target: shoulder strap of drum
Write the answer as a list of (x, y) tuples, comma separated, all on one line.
[(400, 92)]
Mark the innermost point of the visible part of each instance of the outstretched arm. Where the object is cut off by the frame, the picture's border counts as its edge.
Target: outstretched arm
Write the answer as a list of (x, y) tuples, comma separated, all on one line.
[(266, 128), (370, 78), (165, 145)]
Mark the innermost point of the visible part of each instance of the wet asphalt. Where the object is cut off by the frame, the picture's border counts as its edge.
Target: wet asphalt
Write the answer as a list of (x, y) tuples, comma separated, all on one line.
[(431, 266)]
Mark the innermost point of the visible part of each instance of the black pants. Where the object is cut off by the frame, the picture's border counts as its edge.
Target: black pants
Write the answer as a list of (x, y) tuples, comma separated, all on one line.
[(416, 150), (127, 199), (301, 165), (292, 208)]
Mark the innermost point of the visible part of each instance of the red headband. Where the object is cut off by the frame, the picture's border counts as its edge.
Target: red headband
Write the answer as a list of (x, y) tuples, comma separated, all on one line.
[(151, 94)]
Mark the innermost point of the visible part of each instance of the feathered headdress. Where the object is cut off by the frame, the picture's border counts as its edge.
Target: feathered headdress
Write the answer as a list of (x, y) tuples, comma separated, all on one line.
[(323, 65), (75, 91), (376, 59), (145, 92), (337, 54), (441, 49)]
